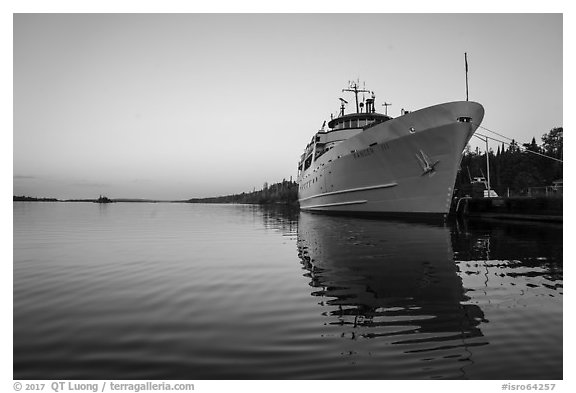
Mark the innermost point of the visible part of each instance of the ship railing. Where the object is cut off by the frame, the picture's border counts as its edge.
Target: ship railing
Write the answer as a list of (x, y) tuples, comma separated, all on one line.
[(547, 191), (543, 191)]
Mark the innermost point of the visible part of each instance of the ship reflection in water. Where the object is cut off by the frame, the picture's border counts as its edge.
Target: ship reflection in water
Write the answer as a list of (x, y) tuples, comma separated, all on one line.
[(396, 297)]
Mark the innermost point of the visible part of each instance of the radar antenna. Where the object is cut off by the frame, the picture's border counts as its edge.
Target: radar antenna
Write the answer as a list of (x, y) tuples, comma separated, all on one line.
[(342, 103)]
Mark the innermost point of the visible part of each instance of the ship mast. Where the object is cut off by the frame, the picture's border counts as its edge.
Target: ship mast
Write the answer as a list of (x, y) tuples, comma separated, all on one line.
[(466, 67), (353, 87)]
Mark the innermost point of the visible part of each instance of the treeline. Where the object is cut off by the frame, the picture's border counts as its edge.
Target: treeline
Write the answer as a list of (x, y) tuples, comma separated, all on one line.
[(515, 167), (285, 192), (22, 198)]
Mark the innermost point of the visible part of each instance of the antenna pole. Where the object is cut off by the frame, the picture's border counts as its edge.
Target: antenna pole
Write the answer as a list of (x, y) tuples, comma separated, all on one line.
[(466, 66), (386, 105), (354, 89), (488, 168)]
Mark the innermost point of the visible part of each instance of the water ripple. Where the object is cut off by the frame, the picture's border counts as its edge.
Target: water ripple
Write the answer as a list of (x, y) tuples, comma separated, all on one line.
[(181, 291)]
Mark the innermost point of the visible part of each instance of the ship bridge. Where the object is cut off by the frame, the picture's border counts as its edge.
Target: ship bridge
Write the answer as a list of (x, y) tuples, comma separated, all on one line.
[(357, 120), (344, 126)]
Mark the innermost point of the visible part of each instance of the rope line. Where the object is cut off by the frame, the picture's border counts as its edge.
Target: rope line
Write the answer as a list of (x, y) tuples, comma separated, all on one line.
[(477, 134), (494, 132)]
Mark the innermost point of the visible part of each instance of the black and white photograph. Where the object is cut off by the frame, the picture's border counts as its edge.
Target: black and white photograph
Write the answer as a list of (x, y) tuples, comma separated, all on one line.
[(201, 197)]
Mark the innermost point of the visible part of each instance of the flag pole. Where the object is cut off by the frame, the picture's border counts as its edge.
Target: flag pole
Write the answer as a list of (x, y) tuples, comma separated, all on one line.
[(466, 66)]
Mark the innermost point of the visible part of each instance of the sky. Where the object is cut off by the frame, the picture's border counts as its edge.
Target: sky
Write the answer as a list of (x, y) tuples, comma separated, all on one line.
[(176, 106)]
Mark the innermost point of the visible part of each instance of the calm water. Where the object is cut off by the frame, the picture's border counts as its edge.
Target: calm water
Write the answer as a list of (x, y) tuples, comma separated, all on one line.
[(184, 291)]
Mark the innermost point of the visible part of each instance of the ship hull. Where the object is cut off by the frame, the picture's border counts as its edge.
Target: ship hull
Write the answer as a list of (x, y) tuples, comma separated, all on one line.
[(406, 165)]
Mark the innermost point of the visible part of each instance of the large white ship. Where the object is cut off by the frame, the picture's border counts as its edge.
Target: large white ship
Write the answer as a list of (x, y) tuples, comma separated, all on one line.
[(368, 162)]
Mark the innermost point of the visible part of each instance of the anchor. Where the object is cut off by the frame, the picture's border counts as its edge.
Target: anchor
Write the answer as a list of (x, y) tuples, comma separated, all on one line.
[(425, 164)]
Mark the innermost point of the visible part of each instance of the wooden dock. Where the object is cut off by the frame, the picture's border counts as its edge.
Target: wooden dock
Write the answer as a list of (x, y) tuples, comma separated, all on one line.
[(515, 208)]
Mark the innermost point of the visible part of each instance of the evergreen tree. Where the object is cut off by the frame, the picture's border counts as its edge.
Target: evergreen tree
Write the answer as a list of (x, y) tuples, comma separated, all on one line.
[(515, 168)]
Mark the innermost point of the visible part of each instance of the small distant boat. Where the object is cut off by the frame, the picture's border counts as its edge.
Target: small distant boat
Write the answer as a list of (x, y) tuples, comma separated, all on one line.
[(103, 199)]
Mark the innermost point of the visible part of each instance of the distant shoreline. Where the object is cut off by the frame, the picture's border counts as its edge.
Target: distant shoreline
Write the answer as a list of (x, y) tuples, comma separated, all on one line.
[(283, 193), (128, 200), (208, 201)]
